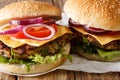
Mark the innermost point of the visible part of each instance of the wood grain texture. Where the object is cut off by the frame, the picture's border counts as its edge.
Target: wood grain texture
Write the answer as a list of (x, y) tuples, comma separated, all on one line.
[(58, 3), (72, 75), (50, 1), (3, 2), (93, 76), (55, 75), (7, 77), (60, 74)]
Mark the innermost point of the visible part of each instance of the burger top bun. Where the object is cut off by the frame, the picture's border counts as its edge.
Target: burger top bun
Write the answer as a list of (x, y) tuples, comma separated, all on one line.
[(28, 9), (103, 14)]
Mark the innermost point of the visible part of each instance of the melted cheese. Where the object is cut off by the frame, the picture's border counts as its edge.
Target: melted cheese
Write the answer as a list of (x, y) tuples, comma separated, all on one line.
[(12, 42), (102, 39)]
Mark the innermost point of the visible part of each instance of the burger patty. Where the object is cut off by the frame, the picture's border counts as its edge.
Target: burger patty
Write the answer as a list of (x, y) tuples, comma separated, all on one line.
[(24, 51), (114, 45)]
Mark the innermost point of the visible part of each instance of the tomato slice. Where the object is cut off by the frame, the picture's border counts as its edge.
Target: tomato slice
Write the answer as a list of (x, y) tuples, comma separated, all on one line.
[(38, 32), (19, 35), (35, 31), (54, 26)]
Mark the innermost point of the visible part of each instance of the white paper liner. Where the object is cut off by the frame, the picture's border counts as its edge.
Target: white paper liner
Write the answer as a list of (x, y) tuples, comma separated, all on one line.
[(80, 63), (85, 65)]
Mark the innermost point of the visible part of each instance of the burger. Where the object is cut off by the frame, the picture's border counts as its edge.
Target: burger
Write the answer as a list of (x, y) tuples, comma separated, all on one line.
[(96, 25), (30, 40)]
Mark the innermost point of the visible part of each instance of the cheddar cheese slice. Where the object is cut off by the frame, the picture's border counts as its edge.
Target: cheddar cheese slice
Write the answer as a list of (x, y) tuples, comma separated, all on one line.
[(14, 43), (102, 39)]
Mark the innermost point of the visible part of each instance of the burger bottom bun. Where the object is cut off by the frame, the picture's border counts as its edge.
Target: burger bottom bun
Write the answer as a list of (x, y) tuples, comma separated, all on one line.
[(37, 69), (96, 56)]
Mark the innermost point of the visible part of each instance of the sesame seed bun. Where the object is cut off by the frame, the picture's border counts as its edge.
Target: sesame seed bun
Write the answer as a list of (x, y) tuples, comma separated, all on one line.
[(28, 9), (104, 14)]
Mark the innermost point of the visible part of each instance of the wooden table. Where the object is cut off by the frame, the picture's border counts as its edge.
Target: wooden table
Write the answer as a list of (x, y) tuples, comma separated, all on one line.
[(60, 74)]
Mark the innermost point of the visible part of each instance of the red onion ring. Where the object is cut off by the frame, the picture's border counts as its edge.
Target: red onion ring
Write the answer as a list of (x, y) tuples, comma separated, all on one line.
[(89, 29), (49, 22), (11, 31), (73, 23), (40, 25), (27, 21), (93, 30)]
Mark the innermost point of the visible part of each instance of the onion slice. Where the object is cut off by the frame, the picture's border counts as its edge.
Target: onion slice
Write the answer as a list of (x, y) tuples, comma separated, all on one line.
[(11, 31), (74, 24), (49, 22), (27, 21), (39, 25), (93, 30)]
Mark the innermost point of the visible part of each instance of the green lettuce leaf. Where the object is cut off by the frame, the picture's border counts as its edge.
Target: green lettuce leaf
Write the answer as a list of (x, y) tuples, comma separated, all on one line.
[(47, 59), (37, 58), (34, 59), (91, 49), (108, 54), (16, 61), (3, 60), (69, 57)]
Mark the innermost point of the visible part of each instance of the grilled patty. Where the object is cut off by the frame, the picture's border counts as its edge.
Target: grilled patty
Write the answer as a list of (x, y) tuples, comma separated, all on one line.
[(114, 45), (24, 51)]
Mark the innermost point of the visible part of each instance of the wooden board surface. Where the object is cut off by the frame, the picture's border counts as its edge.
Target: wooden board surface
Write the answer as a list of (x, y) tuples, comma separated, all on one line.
[(60, 74)]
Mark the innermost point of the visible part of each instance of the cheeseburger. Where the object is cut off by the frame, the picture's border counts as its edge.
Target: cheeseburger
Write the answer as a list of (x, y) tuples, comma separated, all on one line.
[(96, 24), (30, 40)]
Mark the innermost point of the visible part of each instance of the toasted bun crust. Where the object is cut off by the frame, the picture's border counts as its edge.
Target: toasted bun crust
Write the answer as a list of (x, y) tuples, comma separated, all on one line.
[(103, 14), (18, 69), (28, 9), (96, 57)]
